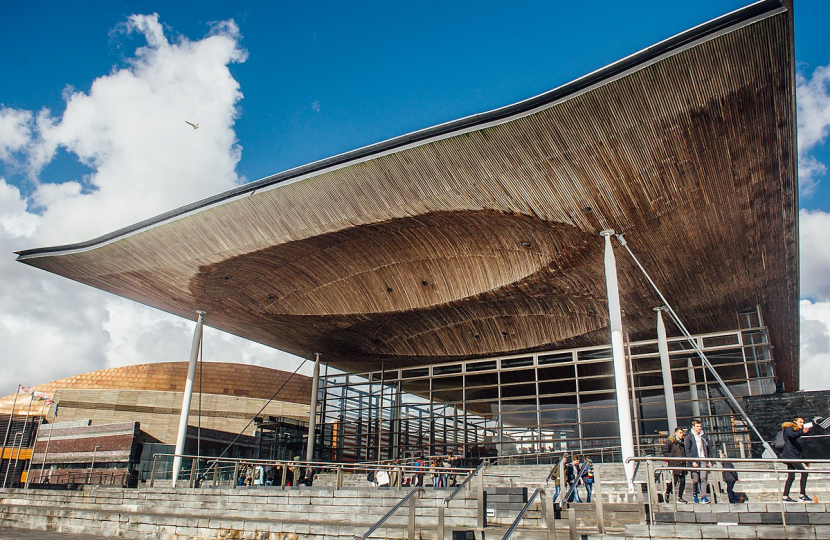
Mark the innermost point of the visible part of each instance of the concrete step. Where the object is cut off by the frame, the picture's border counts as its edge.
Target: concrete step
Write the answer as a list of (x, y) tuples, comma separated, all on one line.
[(721, 532)]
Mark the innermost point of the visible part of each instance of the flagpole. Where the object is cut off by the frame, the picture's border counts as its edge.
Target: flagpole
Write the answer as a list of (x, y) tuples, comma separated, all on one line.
[(22, 436), (45, 452), (8, 430)]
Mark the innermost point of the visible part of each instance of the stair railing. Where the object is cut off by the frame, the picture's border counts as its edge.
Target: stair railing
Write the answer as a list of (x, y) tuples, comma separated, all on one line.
[(412, 495), (480, 512), (483, 465), (521, 514)]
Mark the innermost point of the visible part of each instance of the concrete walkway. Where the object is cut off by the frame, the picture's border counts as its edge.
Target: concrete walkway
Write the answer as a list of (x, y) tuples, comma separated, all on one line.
[(29, 534)]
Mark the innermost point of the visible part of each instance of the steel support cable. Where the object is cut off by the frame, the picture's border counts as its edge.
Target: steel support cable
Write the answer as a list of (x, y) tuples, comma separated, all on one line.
[(251, 421), (728, 393)]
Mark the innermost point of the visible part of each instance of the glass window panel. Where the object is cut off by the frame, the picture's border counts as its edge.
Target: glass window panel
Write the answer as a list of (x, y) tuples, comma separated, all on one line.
[(592, 369), (557, 387), (413, 373), (590, 385), (595, 354), (597, 398), (557, 415), (600, 429), (556, 358), (524, 361), (446, 369), (558, 400), (482, 366), (720, 341), (645, 348), (484, 379), (646, 364), (519, 375), (478, 394), (557, 373), (444, 383), (515, 390)]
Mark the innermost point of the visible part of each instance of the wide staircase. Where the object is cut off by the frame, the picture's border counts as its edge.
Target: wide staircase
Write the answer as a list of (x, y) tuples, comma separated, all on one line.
[(323, 512)]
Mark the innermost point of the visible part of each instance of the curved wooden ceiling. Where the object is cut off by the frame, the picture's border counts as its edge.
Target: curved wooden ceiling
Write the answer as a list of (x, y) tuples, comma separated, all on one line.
[(481, 238)]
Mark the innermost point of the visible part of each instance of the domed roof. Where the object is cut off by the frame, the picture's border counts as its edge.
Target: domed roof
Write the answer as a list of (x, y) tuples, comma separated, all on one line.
[(241, 380)]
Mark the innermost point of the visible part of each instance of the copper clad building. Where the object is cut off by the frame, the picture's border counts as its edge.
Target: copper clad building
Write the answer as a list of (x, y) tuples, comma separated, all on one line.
[(479, 238)]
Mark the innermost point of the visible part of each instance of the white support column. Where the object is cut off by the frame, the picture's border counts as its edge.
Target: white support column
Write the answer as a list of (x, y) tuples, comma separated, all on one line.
[(618, 353), (312, 414), (188, 395), (693, 389), (665, 366)]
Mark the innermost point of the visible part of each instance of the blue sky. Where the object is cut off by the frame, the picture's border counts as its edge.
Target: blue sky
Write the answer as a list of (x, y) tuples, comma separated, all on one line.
[(377, 69), (298, 82)]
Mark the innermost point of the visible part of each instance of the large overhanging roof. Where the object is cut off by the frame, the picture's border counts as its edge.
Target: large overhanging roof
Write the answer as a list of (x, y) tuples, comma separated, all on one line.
[(481, 236)]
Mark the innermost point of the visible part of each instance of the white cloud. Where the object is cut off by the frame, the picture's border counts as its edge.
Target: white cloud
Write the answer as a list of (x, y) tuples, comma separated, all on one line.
[(15, 131), (815, 254), (130, 130), (815, 345), (813, 102)]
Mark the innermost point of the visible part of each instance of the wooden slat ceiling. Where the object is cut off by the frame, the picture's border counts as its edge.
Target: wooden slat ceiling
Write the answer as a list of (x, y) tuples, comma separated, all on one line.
[(485, 241)]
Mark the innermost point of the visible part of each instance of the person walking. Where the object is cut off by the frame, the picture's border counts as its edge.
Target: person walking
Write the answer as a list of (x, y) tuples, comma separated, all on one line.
[(730, 477), (555, 476), (436, 473), (575, 479), (697, 446), (453, 463), (793, 431), (674, 447), (589, 479)]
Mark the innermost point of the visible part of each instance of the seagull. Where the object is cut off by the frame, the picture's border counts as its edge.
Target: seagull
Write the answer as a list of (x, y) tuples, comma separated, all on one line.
[(194, 126)]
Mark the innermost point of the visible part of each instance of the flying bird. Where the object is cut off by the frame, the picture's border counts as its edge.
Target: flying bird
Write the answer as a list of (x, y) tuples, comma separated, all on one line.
[(194, 126)]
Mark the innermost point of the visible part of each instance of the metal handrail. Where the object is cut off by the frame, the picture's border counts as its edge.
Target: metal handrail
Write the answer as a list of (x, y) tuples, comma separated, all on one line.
[(484, 464), (217, 467), (720, 459), (775, 462), (388, 514), (522, 513)]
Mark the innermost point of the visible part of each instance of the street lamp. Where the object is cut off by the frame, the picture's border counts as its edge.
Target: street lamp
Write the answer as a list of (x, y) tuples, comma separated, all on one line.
[(92, 465)]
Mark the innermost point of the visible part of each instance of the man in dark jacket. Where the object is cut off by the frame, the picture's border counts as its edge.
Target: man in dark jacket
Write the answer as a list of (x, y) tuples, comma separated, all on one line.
[(730, 477), (793, 431), (697, 446), (674, 448)]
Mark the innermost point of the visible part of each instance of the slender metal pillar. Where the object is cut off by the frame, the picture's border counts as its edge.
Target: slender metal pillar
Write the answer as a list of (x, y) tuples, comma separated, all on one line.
[(618, 352), (188, 395), (8, 430), (665, 366), (312, 413), (693, 389)]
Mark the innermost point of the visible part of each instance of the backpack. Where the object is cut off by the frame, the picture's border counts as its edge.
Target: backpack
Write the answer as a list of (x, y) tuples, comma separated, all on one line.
[(779, 442)]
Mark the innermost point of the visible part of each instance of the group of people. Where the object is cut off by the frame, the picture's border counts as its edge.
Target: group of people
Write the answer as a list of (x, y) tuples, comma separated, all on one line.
[(577, 473), (260, 474), (695, 446), (440, 467)]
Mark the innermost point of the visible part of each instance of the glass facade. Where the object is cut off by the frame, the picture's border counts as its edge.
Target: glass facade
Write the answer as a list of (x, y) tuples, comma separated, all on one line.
[(542, 402)]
